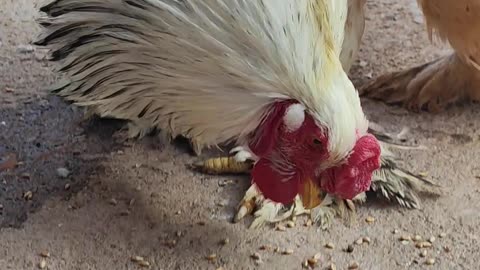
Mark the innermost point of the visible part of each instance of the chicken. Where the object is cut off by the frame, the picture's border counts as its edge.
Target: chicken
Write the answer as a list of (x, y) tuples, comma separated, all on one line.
[(264, 75), (449, 79)]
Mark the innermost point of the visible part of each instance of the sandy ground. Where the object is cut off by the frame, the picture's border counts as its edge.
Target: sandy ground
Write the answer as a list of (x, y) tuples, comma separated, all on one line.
[(87, 225)]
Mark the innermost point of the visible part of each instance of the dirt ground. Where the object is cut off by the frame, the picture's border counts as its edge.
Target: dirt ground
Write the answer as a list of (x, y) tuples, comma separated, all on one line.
[(139, 198)]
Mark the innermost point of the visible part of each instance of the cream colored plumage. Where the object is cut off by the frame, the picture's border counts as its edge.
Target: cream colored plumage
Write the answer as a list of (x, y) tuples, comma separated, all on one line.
[(206, 70)]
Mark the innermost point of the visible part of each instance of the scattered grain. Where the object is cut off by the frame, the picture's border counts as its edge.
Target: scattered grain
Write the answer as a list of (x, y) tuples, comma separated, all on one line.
[(367, 240), (280, 228), (432, 239), (430, 261), (359, 241), (211, 257), (45, 254), (42, 264), (442, 235), (424, 253), (353, 266), (287, 252), (370, 219), (290, 224), (256, 256), (330, 245)]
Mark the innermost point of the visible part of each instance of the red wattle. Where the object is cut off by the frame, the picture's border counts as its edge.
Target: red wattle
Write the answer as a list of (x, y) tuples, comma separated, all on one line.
[(273, 185)]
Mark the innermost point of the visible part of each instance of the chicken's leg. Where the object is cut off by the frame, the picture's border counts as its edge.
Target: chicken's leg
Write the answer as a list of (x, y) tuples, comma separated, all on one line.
[(432, 86)]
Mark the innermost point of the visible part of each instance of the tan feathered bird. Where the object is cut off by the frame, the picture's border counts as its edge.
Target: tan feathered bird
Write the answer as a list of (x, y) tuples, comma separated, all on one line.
[(446, 80), (267, 75)]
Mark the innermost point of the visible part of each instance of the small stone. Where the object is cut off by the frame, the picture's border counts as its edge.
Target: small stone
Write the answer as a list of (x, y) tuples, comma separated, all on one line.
[(370, 220), (256, 256), (1, 206), (446, 249), (290, 224), (405, 242), (353, 266), (432, 239), (42, 264), (442, 235), (430, 261), (395, 231), (287, 252), (424, 253), (367, 240), (359, 241), (350, 249), (63, 172), (332, 266), (281, 228), (330, 245), (66, 187)]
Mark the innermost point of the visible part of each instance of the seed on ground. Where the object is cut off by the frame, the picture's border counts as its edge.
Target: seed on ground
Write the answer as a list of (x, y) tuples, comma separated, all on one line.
[(225, 241), (446, 249), (367, 240), (66, 187), (265, 247), (276, 249), (312, 262), (442, 235), (417, 238), (350, 249), (308, 223), (359, 241), (290, 224), (424, 253), (432, 239), (330, 245), (430, 261), (28, 195), (45, 254), (212, 257), (42, 264), (405, 242), (353, 266), (332, 266), (287, 252), (144, 264), (426, 244), (370, 219), (405, 238), (113, 201), (137, 259), (395, 231), (281, 228)]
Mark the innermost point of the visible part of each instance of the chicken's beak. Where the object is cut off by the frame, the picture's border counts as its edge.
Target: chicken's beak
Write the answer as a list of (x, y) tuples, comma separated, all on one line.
[(311, 194)]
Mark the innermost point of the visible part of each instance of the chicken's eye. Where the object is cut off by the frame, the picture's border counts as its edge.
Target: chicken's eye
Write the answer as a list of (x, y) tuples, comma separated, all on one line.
[(317, 142)]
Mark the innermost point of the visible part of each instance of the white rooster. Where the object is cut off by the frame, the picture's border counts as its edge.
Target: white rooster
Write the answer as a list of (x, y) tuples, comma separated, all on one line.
[(267, 75)]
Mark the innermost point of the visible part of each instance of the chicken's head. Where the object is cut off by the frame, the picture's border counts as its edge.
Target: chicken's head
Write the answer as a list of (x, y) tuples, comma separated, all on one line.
[(354, 176), (290, 145)]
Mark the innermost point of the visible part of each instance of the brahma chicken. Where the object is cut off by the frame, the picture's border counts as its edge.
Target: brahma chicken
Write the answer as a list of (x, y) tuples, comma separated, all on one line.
[(268, 76)]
